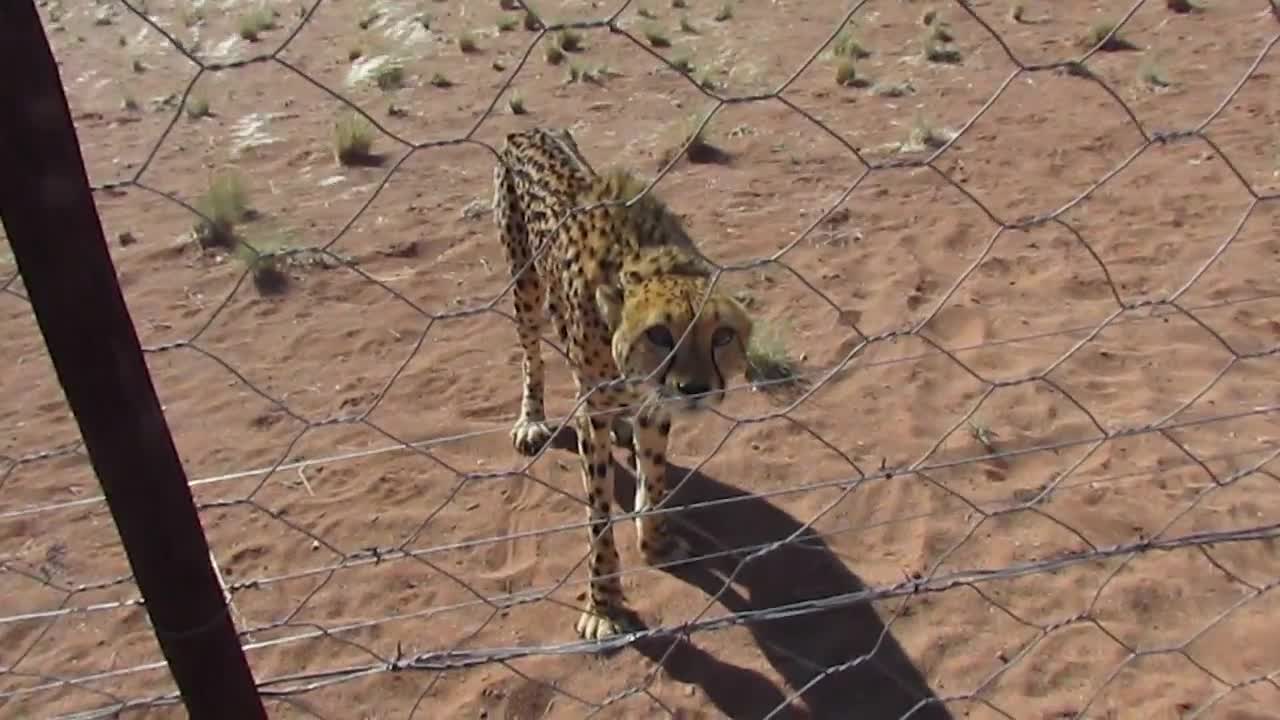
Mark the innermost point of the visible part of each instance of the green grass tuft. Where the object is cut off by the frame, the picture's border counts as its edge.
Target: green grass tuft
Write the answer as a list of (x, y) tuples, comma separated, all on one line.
[(197, 107), (353, 139), (266, 259), (1098, 35), (569, 40), (769, 359), (847, 74), (656, 37), (389, 76), (847, 46), (224, 205), (255, 22)]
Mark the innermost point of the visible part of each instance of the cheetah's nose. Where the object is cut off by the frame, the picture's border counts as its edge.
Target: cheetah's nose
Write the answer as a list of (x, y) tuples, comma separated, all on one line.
[(692, 388)]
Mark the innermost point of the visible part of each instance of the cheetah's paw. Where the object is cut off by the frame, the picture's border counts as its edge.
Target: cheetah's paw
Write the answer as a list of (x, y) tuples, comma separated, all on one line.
[(601, 624), (529, 436)]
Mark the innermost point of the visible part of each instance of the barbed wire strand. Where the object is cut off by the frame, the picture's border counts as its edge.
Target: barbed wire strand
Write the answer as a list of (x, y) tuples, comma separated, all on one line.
[(376, 555), (287, 687), (1158, 312)]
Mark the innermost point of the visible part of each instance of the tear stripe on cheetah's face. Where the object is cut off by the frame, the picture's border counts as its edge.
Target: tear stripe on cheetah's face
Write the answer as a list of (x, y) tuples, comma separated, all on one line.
[(649, 316)]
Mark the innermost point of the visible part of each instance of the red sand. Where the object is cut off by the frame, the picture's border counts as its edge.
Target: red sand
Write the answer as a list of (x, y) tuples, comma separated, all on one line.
[(1042, 645)]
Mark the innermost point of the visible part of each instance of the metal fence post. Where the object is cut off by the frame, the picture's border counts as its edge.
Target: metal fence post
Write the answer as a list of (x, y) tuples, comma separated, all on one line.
[(49, 214)]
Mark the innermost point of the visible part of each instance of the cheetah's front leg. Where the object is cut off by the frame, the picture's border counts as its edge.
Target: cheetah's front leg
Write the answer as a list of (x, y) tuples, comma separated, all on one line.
[(604, 614), (657, 544), (531, 431)]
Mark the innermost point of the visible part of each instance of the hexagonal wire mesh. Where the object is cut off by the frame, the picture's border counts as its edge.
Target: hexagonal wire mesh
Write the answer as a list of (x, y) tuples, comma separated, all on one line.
[(430, 641)]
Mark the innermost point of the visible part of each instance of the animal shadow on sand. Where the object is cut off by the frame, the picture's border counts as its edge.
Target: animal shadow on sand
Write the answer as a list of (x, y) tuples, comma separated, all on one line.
[(885, 685)]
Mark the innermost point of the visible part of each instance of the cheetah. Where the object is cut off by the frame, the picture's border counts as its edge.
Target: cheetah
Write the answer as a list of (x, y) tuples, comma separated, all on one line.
[(622, 287)]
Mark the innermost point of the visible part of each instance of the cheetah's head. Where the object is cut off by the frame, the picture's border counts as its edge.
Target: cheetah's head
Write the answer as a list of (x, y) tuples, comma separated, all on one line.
[(659, 336)]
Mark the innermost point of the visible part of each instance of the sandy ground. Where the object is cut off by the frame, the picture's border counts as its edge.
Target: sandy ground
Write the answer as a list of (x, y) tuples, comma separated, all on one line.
[(327, 378)]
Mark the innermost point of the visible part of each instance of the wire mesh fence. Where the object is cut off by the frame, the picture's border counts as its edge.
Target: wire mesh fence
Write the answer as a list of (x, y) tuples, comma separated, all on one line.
[(1019, 263)]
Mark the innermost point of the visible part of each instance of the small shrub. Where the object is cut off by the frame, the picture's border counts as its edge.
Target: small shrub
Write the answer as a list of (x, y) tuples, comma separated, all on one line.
[(682, 64), (699, 149), (440, 81), (893, 90), (936, 43), (656, 37), (679, 4), (924, 136), (1184, 6), (256, 22), (847, 74), (516, 104), (353, 139), (577, 73), (769, 359), (467, 43), (847, 46), (137, 66), (725, 13), (940, 31), (507, 24), (687, 26), (1152, 74), (355, 54), (389, 77), (939, 52), (553, 54), (1018, 12), (531, 22), (265, 260), (569, 40), (222, 206), (197, 107), (646, 13), (1098, 35)]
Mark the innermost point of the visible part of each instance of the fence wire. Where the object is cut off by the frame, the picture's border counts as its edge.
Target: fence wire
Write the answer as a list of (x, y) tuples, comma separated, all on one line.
[(446, 634)]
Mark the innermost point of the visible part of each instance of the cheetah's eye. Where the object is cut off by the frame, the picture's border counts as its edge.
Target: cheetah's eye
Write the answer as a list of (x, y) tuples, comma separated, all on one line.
[(659, 335), (722, 336)]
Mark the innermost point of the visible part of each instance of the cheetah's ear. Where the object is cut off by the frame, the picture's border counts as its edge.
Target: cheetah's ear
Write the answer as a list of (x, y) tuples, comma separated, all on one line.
[(609, 301)]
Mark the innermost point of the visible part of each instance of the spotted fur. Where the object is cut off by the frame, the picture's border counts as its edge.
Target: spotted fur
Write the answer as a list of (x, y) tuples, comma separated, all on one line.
[(622, 287)]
